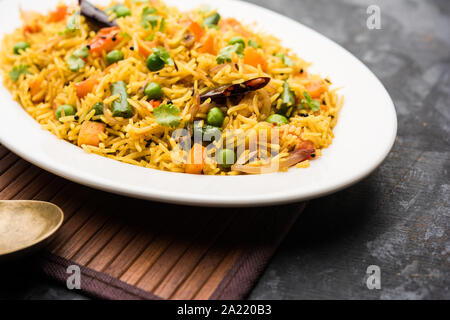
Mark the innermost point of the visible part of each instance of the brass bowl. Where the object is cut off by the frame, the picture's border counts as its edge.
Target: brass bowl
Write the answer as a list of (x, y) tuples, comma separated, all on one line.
[(26, 226)]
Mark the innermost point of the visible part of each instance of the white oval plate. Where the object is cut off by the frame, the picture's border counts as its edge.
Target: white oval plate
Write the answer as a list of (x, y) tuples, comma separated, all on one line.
[(364, 135)]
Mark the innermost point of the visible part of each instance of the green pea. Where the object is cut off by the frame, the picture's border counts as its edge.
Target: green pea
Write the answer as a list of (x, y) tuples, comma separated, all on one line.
[(212, 20), (205, 132), (122, 11), (154, 62), (235, 40), (211, 133), (65, 110), (114, 56), (215, 117), (98, 107), (277, 119), (20, 46), (226, 158), (153, 91)]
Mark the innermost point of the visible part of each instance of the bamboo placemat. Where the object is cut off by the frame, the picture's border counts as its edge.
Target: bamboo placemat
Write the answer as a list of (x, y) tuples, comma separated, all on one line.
[(135, 249)]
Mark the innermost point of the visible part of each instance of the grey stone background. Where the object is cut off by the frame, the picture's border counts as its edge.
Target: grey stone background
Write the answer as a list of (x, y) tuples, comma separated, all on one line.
[(398, 218)]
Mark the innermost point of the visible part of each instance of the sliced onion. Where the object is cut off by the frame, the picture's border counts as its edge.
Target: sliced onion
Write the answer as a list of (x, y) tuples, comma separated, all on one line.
[(196, 106), (220, 67), (204, 108), (142, 89), (266, 104), (246, 168), (188, 39), (246, 158), (296, 156)]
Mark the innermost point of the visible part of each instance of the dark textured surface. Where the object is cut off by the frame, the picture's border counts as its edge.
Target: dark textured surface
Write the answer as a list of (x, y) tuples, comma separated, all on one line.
[(398, 218)]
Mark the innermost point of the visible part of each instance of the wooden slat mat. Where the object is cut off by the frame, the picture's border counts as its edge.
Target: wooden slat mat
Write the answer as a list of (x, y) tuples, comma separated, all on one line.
[(135, 249)]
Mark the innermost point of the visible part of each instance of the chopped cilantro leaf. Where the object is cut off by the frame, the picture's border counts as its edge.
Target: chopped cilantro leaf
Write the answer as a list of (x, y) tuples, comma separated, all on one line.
[(17, 71), (164, 55), (225, 54), (149, 18), (167, 115), (309, 102), (285, 59), (254, 44)]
